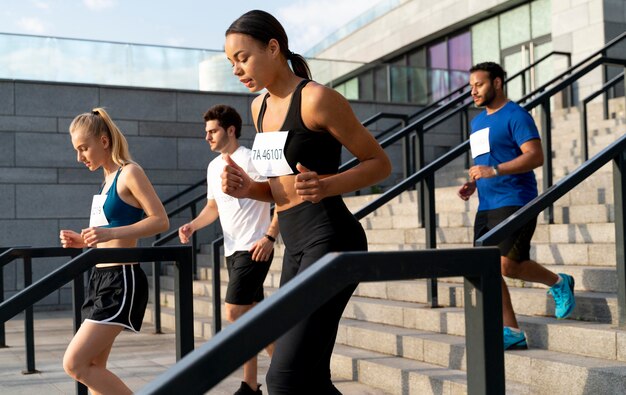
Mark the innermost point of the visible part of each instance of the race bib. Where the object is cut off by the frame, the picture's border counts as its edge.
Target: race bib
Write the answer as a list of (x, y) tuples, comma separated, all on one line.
[(479, 142), (97, 217), (268, 154)]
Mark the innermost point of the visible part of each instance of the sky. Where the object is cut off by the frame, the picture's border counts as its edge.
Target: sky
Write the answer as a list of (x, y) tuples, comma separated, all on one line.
[(179, 23)]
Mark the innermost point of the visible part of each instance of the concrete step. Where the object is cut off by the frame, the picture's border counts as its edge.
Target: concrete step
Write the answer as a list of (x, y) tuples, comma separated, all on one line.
[(541, 370), (402, 376), (587, 278)]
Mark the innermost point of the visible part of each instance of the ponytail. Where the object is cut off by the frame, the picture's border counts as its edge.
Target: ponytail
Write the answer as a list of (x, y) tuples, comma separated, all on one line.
[(98, 123), (299, 65)]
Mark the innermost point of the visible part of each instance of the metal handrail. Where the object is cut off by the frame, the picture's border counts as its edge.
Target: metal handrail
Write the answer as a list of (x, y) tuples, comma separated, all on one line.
[(9, 255), (584, 128), (74, 269), (184, 192), (602, 51), (230, 348)]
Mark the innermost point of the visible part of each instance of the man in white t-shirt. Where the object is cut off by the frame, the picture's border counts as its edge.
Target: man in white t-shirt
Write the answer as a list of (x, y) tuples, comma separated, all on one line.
[(249, 232)]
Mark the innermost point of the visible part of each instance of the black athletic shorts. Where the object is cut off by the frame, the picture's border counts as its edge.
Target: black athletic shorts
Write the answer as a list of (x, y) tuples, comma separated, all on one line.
[(245, 278), (117, 295), (517, 245)]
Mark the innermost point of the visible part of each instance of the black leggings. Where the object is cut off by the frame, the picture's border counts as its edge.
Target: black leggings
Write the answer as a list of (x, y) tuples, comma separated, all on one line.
[(301, 361)]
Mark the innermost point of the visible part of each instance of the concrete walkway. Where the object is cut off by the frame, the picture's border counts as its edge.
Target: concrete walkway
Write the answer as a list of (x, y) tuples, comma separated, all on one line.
[(136, 358)]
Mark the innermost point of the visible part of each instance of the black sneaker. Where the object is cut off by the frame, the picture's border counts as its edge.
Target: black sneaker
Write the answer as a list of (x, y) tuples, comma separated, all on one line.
[(246, 390)]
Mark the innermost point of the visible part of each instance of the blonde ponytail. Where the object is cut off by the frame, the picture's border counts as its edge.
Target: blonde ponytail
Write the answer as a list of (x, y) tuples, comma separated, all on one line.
[(98, 123)]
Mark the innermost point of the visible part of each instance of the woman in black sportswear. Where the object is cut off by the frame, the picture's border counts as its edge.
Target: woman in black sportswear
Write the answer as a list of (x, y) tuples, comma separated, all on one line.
[(301, 127)]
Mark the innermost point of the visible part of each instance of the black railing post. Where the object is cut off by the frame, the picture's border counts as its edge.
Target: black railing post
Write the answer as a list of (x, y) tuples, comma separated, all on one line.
[(78, 297), (29, 331), (183, 295), (605, 96), (584, 150), (546, 129), (570, 89), (419, 163), (483, 338), (465, 133), (619, 191), (156, 295), (194, 246), (216, 282), (3, 339), (430, 225)]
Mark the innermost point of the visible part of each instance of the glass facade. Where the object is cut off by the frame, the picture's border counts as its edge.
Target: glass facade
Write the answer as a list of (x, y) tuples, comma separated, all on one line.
[(24, 57), (514, 38)]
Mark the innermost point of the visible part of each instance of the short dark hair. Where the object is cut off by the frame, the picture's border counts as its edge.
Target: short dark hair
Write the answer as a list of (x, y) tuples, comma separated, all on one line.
[(226, 116), (492, 68)]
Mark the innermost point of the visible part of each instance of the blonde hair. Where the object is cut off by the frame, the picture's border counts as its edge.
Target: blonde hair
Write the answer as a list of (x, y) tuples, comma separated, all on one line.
[(98, 123)]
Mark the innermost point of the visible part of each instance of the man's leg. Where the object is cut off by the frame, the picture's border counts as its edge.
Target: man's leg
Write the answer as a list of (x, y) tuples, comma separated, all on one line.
[(508, 314), (233, 312), (528, 270)]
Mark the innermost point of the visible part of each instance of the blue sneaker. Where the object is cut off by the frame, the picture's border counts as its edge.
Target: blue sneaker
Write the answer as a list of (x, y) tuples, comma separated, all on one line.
[(514, 340), (563, 294)]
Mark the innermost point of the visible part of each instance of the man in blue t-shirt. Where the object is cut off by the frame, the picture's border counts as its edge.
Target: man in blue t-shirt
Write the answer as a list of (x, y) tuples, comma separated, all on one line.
[(506, 147)]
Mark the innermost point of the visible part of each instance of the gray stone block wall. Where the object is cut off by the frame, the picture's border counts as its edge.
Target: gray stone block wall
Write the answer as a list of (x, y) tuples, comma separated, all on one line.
[(44, 189)]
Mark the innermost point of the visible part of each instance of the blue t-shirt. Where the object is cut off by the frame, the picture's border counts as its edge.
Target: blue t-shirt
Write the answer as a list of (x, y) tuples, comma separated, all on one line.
[(506, 129)]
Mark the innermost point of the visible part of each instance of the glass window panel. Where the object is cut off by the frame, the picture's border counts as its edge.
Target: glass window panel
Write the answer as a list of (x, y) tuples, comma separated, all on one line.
[(351, 91), (485, 41), (418, 58), (418, 85), (439, 82), (438, 56), (380, 84), (515, 26), (460, 52), (512, 64), (399, 84), (366, 86), (458, 79), (541, 18), (544, 70)]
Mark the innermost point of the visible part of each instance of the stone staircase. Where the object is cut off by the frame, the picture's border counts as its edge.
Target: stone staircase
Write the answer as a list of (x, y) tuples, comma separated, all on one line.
[(389, 339)]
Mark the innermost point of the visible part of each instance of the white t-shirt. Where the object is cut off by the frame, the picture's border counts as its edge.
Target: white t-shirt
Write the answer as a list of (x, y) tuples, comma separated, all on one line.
[(244, 221)]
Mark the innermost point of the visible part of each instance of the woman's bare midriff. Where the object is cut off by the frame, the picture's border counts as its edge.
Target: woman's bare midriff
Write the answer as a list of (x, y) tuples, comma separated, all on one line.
[(117, 244), (284, 191)]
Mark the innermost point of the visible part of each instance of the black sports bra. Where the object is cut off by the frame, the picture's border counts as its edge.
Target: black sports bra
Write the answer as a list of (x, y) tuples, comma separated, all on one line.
[(317, 151)]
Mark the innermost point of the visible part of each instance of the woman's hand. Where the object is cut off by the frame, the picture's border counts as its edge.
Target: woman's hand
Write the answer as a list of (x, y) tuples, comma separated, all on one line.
[(235, 181), (309, 185), (95, 235), (71, 239)]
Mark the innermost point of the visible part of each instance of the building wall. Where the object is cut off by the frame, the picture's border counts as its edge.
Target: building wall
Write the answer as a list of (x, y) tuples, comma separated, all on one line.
[(580, 27), (412, 23), (44, 189)]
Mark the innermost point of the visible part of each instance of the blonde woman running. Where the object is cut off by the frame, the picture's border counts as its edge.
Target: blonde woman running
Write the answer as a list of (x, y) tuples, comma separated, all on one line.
[(125, 209)]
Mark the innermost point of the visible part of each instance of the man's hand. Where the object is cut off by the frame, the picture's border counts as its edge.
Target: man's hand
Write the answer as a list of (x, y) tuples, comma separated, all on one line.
[(479, 171), (262, 249), (467, 190), (185, 232)]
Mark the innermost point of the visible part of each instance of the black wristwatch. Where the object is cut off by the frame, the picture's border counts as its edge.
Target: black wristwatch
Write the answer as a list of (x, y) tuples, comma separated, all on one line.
[(270, 238)]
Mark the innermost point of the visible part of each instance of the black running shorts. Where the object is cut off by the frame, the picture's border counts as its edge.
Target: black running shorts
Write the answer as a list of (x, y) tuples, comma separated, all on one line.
[(117, 295), (517, 245), (245, 278)]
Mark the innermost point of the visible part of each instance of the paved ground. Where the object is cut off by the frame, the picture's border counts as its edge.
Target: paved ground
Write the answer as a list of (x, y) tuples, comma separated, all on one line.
[(136, 358)]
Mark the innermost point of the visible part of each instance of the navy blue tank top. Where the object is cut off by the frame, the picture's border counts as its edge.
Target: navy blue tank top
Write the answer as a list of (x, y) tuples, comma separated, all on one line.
[(318, 151), (117, 211)]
